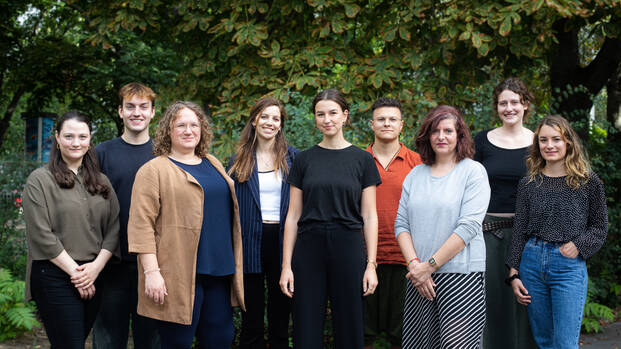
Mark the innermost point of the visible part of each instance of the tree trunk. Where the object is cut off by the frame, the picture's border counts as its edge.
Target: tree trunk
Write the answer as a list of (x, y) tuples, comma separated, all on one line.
[(573, 86), (5, 122), (613, 104)]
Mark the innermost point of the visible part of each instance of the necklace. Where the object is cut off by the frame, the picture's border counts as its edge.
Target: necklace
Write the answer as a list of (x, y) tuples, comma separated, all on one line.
[(391, 159), (264, 162)]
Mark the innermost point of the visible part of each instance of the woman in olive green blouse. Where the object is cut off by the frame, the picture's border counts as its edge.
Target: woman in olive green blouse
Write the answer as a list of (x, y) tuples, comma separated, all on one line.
[(72, 226)]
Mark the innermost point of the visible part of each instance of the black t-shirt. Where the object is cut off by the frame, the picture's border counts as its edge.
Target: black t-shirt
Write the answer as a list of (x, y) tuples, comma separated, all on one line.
[(120, 161), (505, 168), (332, 181)]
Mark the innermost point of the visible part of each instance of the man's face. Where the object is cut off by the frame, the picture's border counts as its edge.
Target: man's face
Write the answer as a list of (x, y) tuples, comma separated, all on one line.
[(387, 123), (136, 113)]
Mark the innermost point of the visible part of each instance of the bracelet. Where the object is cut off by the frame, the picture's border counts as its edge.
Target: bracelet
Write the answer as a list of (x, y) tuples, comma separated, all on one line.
[(150, 271), (413, 259), (372, 262), (510, 279)]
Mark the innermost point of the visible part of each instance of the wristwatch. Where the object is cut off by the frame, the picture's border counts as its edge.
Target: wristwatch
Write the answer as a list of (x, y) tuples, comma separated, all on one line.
[(511, 278), (432, 262)]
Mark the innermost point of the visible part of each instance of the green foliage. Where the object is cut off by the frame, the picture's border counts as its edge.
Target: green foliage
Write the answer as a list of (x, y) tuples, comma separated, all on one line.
[(16, 315), (595, 313), (13, 174)]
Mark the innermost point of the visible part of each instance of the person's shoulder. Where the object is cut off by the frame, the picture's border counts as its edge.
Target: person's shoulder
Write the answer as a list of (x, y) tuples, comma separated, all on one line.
[(472, 166), (41, 173), (356, 151), (482, 135), (292, 150), (109, 144), (411, 156), (157, 162), (480, 139), (594, 179)]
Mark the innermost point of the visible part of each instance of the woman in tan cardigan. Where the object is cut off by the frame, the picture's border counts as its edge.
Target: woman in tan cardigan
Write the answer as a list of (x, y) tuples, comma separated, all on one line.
[(184, 226)]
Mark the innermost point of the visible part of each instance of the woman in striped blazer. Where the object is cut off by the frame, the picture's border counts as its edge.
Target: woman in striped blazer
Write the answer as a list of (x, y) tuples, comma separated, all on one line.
[(259, 168)]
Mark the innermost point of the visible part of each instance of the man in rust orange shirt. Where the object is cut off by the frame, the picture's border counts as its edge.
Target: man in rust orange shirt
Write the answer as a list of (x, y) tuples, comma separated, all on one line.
[(384, 309)]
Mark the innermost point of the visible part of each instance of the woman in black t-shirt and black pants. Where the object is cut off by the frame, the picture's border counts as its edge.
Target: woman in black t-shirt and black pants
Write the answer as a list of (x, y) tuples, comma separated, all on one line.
[(332, 199)]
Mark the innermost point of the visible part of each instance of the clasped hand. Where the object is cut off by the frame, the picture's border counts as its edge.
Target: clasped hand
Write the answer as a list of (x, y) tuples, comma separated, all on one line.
[(419, 275), (84, 279)]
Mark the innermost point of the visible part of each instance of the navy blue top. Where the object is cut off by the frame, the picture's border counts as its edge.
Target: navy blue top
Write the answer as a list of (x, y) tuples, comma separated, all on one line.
[(120, 161), (250, 214), (215, 251)]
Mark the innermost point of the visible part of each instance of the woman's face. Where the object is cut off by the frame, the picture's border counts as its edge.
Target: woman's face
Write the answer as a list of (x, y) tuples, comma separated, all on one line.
[(444, 138), (329, 117), (186, 131), (267, 124), (552, 145), (73, 140), (510, 108)]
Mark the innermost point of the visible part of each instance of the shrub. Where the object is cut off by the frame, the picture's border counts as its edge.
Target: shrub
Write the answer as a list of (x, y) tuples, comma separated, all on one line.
[(16, 315)]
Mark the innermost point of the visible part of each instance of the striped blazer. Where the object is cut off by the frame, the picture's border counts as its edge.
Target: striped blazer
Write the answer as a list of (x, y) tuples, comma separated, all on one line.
[(250, 214)]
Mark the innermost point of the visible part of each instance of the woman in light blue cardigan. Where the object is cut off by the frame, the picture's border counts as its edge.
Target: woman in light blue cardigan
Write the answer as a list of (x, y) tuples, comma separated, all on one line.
[(438, 228)]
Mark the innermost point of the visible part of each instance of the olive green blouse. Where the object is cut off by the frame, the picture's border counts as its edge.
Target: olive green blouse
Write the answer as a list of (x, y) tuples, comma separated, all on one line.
[(72, 219)]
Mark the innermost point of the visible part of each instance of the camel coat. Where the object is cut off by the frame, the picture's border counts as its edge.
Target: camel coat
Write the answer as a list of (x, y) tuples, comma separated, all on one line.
[(165, 218)]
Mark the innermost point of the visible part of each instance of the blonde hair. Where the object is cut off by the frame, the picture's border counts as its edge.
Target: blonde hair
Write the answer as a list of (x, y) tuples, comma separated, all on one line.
[(576, 160), (161, 141)]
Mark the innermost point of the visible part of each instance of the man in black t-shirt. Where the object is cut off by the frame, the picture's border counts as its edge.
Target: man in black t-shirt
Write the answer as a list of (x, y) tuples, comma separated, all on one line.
[(120, 159)]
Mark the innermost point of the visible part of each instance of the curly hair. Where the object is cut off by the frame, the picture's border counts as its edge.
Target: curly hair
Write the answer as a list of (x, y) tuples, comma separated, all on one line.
[(465, 145), (89, 167), (576, 159), (161, 141), (518, 87), (244, 161)]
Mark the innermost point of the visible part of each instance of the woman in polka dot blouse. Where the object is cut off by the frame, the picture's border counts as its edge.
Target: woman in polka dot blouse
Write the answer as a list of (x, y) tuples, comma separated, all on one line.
[(561, 220)]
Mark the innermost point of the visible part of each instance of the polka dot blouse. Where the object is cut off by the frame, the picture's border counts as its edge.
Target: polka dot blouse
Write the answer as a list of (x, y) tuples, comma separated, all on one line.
[(552, 211)]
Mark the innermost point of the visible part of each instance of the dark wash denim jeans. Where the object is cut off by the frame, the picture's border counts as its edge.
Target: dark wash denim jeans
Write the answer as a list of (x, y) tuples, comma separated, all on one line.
[(558, 286), (67, 318), (118, 306)]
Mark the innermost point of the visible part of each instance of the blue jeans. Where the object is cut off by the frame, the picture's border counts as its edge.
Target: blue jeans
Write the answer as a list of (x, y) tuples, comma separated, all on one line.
[(558, 286), (118, 305)]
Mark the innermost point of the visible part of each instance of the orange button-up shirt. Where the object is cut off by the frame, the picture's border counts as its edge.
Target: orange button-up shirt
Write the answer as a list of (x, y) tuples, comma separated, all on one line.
[(388, 195)]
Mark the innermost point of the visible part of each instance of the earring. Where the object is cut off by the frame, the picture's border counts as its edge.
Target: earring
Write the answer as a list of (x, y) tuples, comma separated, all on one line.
[(57, 146)]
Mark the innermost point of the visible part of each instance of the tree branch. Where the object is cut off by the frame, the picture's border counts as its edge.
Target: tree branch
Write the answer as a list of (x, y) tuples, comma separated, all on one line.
[(597, 73)]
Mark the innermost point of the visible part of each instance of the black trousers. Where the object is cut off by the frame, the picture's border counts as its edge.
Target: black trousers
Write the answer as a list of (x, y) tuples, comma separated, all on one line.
[(328, 264), (67, 318), (278, 305), (118, 305)]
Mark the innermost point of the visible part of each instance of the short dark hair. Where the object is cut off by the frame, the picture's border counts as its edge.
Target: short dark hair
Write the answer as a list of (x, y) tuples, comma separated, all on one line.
[(465, 145), (386, 102), (516, 86)]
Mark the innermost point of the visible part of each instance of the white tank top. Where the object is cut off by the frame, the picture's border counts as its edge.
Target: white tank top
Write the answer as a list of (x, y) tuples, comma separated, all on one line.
[(269, 192)]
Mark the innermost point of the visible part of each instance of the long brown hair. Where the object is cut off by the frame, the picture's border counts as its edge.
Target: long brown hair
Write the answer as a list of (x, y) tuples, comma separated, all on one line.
[(244, 162), (89, 168), (465, 145), (576, 159), (161, 141)]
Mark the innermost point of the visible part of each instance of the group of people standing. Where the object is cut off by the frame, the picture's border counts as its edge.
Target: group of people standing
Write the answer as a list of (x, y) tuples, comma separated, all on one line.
[(416, 245)]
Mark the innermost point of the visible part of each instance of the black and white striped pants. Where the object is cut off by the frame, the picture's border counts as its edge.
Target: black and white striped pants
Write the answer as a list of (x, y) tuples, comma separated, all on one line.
[(454, 319)]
